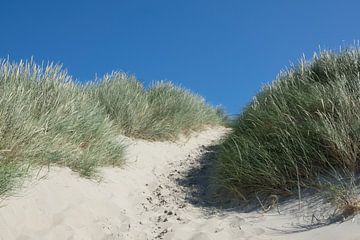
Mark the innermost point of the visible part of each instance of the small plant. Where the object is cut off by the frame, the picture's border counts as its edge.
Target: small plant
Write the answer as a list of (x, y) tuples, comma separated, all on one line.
[(344, 196), (347, 205)]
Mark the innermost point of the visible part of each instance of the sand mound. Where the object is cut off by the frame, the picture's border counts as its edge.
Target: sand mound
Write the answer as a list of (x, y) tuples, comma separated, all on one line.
[(147, 199)]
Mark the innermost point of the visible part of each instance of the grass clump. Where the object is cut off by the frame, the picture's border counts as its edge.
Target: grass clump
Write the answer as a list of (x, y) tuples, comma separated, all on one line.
[(175, 110), (160, 112), (124, 101), (45, 118), (303, 126)]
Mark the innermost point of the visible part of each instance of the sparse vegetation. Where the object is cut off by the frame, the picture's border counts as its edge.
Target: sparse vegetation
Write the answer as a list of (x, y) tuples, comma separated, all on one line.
[(46, 118), (299, 129)]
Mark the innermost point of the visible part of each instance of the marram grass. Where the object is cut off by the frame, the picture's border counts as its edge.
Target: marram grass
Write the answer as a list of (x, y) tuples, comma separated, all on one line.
[(299, 130), (46, 118), (160, 112)]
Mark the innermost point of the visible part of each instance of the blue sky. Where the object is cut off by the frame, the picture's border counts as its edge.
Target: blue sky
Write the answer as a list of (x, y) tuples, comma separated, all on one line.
[(224, 50)]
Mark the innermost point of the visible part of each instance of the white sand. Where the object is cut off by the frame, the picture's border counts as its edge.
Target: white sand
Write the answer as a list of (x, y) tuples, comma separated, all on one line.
[(146, 200)]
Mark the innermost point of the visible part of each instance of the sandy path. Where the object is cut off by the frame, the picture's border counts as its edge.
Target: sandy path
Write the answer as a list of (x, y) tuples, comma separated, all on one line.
[(156, 196)]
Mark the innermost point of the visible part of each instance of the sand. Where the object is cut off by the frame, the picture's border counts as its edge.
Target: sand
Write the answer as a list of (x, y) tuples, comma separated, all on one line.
[(158, 194)]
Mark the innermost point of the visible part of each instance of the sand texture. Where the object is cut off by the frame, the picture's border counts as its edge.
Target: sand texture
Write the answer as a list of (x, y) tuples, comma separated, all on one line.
[(161, 193)]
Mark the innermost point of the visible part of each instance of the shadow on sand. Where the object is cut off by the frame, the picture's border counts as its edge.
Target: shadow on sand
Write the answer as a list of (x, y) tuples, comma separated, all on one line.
[(202, 191)]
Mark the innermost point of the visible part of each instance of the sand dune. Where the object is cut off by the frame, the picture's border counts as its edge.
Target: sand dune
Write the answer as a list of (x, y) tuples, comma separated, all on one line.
[(149, 199)]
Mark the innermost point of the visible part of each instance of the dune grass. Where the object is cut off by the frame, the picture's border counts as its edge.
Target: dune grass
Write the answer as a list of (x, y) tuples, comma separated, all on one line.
[(300, 132), (160, 112), (46, 118)]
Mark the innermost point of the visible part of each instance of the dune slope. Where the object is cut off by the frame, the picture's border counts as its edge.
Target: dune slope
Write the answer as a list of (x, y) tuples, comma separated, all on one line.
[(144, 200)]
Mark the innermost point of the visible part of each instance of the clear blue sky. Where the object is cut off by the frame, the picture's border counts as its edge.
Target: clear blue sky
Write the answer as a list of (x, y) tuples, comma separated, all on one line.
[(224, 50)]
